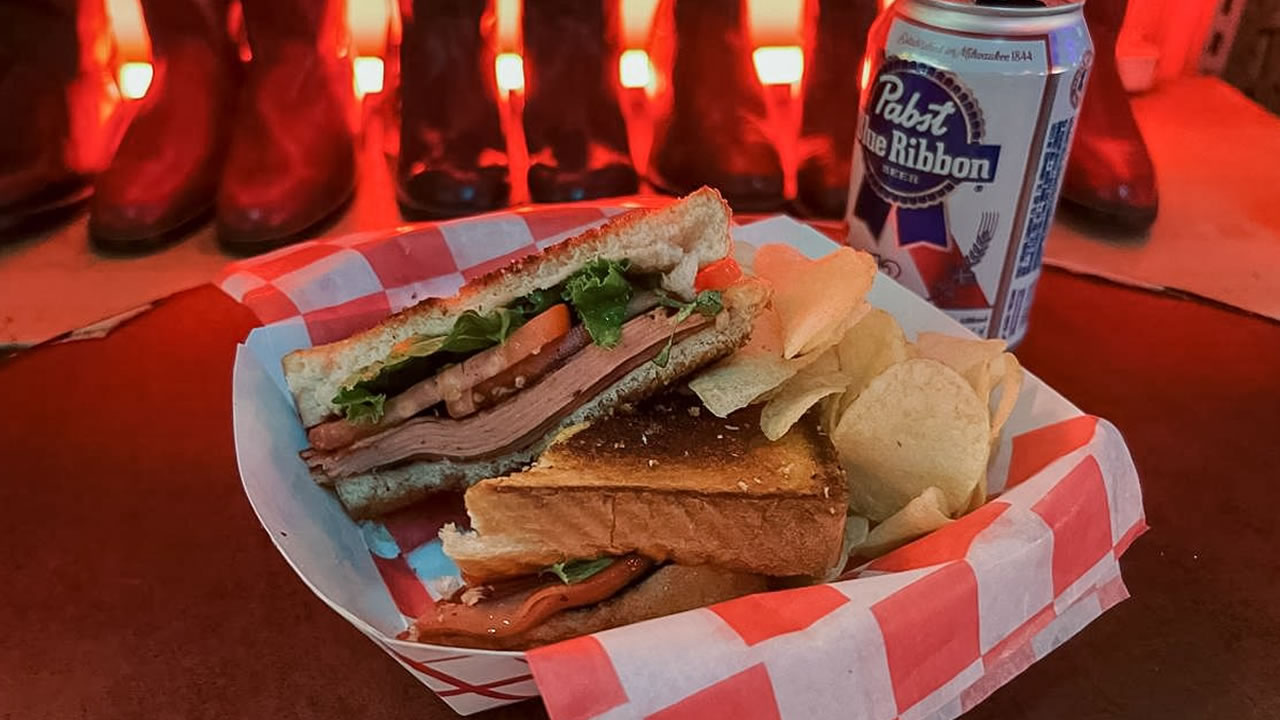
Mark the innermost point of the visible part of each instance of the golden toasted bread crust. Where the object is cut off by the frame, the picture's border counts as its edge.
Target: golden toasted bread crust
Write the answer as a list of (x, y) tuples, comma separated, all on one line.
[(757, 507)]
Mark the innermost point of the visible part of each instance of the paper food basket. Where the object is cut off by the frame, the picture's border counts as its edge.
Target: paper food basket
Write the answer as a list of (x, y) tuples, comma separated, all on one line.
[(927, 631)]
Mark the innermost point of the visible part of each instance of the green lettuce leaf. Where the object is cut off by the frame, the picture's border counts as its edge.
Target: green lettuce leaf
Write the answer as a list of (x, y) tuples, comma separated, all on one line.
[(599, 293), (359, 405), (707, 302), (537, 301), (419, 346), (362, 396), (575, 571), (473, 331), (664, 357)]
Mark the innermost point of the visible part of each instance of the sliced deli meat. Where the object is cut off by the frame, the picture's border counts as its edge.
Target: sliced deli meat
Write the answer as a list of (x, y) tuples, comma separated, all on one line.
[(519, 420), (523, 374), (340, 433), (481, 381), (465, 388)]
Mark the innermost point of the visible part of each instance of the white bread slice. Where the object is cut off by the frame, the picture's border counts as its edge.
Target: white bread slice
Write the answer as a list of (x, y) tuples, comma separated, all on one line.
[(675, 241), (671, 487), (387, 489)]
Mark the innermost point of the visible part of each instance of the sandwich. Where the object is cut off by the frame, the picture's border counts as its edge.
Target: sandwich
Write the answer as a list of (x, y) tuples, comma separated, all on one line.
[(651, 511), (454, 390)]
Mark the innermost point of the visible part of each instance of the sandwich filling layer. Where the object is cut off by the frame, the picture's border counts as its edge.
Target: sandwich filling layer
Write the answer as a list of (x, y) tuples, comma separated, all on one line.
[(470, 394), (520, 419), (538, 610), (511, 608)]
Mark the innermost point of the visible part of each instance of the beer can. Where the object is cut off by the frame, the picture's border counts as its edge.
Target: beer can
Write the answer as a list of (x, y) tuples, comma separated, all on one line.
[(965, 121)]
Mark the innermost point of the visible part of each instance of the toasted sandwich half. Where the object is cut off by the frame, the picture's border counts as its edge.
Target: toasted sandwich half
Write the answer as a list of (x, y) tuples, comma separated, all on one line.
[(454, 390), (641, 514)]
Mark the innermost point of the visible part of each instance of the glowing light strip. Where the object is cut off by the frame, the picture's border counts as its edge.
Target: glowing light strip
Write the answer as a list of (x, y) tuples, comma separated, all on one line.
[(368, 75), (779, 64), (135, 79), (510, 70), (634, 69)]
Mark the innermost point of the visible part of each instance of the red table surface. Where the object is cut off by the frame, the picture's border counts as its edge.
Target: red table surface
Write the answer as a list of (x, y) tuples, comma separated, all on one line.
[(137, 582)]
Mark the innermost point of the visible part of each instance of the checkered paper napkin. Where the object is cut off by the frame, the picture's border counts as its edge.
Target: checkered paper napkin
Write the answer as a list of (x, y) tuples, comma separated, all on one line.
[(924, 632)]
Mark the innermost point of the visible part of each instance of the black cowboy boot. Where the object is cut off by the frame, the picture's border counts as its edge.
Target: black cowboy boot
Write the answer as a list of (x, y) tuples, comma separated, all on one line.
[(453, 157), (573, 125), (57, 103), (164, 176), (710, 127), (1109, 176), (838, 42), (291, 166)]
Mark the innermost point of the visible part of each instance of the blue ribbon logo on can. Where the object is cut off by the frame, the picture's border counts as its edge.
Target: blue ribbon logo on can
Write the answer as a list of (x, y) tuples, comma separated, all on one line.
[(922, 135)]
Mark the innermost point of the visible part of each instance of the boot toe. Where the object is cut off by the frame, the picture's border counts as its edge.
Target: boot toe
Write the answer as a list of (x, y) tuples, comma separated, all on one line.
[(549, 184), (258, 227), (131, 225), (445, 192), (124, 228), (748, 173), (1113, 211), (261, 211), (1112, 180)]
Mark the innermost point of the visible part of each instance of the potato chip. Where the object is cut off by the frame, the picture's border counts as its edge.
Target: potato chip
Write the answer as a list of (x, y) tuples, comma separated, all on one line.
[(832, 336), (814, 297), (869, 347), (918, 424), (968, 356), (819, 363), (766, 334), (739, 380), (1007, 378), (756, 369), (856, 529), (794, 399), (780, 259), (987, 367), (922, 515), (829, 411)]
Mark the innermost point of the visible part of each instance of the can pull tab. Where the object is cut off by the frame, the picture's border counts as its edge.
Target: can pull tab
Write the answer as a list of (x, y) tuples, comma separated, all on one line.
[(1010, 3)]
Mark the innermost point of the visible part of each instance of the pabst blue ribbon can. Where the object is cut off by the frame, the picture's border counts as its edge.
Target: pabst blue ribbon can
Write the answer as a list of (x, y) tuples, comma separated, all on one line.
[(964, 125)]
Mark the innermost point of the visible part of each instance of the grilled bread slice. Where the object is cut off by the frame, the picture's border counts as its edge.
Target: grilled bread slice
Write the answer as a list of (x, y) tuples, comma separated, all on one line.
[(667, 481)]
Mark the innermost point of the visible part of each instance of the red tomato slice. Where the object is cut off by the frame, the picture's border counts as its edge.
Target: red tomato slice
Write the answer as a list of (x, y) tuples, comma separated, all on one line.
[(542, 329), (457, 380), (718, 275)]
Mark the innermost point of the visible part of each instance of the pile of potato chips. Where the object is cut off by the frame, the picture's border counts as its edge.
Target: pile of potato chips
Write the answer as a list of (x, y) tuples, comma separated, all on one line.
[(914, 423)]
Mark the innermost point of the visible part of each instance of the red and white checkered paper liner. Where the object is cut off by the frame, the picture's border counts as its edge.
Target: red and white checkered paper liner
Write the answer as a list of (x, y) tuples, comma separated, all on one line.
[(925, 632)]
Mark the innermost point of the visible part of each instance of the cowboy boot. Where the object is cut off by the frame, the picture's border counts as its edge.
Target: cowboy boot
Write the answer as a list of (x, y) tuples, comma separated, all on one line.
[(453, 156), (57, 98), (292, 161), (164, 176), (573, 126), (710, 126), (1109, 176), (838, 42)]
